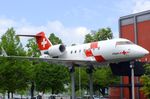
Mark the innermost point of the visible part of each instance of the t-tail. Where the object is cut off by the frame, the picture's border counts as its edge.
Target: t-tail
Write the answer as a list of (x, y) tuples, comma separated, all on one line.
[(42, 41)]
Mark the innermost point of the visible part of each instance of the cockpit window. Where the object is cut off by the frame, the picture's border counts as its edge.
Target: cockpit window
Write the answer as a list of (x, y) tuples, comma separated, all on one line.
[(124, 43)]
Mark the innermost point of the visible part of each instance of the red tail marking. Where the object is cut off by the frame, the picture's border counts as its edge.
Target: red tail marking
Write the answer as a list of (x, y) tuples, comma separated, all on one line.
[(42, 41), (94, 45), (99, 58)]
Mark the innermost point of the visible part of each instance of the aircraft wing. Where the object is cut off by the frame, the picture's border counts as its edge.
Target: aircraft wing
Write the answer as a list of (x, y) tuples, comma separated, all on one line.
[(62, 61), (65, 62)]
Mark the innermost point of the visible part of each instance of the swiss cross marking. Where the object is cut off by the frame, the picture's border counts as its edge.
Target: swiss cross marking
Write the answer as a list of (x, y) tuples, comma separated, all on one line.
[(124, 52), (44, 42)]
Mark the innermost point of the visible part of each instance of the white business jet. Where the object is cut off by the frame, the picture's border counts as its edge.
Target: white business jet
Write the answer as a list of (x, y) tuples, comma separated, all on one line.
[(95, 53)]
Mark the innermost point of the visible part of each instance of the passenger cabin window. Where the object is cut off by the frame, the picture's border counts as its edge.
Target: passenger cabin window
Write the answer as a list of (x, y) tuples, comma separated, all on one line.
[(75, 51), (124, 43), (79, 51), (71, 52)]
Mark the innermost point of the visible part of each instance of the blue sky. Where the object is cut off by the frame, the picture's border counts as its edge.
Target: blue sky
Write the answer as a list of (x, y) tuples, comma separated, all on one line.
[(68, 19)]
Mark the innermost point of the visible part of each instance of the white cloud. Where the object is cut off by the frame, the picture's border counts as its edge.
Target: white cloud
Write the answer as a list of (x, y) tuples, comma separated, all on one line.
[(68, 35), (126, 7), (141, 5), (6, 22)]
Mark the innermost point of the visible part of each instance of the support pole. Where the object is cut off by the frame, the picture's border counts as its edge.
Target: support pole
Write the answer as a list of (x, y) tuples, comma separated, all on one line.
[(90, 72), (80, 90), (130, 87), (72, 70), (121, 89), (132, 79), (91, 85)]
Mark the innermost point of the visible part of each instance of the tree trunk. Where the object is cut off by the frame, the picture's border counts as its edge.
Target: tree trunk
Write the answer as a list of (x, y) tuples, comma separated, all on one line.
[(21, 96), (12, 95), (87, 89), (32, 89), (3, 95), (52, 91), (8, 93), (102, 91)]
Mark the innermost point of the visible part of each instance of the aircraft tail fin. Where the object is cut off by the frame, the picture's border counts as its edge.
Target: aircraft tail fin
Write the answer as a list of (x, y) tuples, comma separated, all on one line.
[(42, 41)]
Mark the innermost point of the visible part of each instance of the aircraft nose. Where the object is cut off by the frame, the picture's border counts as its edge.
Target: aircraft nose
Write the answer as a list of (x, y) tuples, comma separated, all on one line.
[(143, 51), (140, 51), (146, 52)]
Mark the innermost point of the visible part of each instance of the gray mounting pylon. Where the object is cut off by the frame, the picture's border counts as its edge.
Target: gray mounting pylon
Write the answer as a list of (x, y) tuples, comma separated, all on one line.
[(72, 70), (90, 72)]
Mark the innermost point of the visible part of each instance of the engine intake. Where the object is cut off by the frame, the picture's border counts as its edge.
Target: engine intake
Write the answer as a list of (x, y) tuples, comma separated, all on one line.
[(56, 50), (62, 48)]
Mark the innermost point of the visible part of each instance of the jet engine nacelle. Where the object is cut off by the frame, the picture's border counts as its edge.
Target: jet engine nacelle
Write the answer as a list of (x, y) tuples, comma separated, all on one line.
[(57, 50)]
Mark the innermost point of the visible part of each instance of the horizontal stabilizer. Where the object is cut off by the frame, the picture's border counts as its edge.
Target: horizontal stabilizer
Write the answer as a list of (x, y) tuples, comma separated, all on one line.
[(42, 41), (29, 35)]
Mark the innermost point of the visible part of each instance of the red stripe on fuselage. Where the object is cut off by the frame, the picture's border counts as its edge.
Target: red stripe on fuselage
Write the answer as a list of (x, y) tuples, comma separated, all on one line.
[(88, 53), (99, 58), (94, 45)]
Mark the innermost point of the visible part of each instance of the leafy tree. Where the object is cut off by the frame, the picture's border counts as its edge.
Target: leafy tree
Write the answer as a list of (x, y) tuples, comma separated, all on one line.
[(103, 77), (145, 79), (50, 77), (13, 71), (11, 43), (88, 38), (83, 77), (62, 76), (42, 76), (33, 52), (101, 34), (47, 77), (14, 74), (33, 48), (54, 39)]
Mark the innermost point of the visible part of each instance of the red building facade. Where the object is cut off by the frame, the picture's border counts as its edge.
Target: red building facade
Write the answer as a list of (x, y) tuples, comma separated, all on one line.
[(135, 27)]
